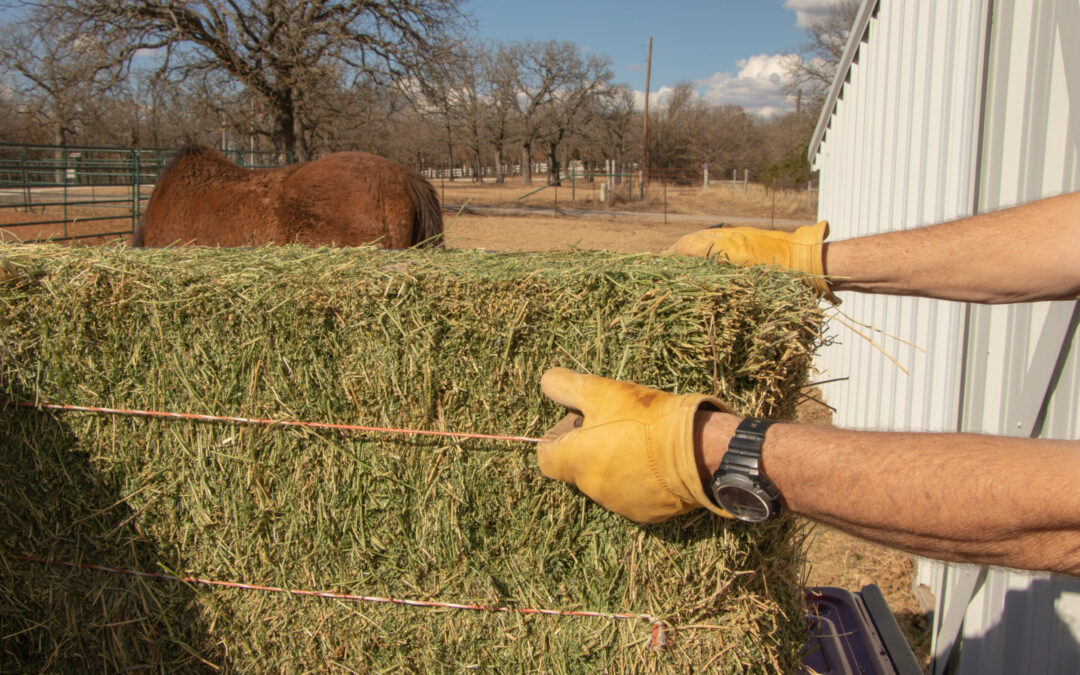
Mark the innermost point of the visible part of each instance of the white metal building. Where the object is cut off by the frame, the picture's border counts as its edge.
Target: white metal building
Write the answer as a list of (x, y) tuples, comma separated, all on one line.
[(942, 110)]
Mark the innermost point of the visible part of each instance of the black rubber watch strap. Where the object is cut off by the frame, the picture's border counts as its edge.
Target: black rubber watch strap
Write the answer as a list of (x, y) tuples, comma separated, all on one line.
[(744, 449)]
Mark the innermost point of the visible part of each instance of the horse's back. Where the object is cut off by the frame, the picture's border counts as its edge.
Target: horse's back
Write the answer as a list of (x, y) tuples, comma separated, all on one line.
[(203, 198), (349, 199), (344, 199)]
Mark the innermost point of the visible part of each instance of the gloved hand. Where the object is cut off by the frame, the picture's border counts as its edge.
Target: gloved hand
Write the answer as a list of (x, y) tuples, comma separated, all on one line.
[(800, 250), (634, 451)]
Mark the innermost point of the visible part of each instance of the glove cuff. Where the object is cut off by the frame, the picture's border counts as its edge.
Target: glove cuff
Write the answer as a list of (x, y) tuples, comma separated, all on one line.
[(807, 256), (691, 489)]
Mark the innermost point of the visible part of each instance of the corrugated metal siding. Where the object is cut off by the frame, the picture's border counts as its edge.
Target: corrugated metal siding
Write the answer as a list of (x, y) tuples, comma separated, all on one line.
[(901, 150), (899, 154)]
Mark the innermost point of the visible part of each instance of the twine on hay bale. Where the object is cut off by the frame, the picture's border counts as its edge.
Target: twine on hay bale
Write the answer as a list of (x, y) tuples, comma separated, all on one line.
[(448, 340)]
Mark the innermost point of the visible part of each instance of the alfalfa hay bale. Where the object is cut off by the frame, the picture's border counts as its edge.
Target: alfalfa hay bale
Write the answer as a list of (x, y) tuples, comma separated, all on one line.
[(436, 340)]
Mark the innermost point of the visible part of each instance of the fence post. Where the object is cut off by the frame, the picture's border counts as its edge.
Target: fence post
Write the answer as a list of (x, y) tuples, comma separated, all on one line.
[(64, 185), (705, 178), (772, 225), (746, 180), (26, 181), (665, 200), (808, 204), (136, 190)]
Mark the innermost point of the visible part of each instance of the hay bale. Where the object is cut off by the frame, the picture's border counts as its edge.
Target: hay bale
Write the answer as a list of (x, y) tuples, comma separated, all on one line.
[(444, 340)]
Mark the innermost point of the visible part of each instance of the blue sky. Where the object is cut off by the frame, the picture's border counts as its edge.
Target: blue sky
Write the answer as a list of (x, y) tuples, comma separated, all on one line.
[(728, 49)]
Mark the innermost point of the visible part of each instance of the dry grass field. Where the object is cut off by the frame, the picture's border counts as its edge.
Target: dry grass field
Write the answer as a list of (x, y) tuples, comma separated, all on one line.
[(531, 223)]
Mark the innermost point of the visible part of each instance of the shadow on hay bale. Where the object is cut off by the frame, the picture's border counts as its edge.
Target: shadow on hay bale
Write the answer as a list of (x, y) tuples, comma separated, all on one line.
[(59, 619)]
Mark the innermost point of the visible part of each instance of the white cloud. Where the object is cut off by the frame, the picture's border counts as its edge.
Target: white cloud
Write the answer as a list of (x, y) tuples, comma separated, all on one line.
[(757, 87), (806, 10), (658, 99)]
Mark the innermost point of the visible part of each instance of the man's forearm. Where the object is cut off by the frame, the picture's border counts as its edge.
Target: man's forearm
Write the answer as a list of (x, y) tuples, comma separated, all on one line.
[(1026, 253), (958, 497)]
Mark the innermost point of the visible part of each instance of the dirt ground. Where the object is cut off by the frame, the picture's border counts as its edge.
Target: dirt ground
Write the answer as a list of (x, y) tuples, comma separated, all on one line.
[(517, 217)]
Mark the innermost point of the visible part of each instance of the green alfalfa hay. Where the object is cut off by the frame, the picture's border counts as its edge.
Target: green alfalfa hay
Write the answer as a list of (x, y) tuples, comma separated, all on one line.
[(445, 340)]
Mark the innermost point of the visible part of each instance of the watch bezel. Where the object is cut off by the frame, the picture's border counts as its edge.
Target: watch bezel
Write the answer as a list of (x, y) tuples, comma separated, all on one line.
[(729, 483)]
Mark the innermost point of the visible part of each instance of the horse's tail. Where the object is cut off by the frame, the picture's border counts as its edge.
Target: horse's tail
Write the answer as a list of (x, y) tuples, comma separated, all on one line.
[(428, 223)]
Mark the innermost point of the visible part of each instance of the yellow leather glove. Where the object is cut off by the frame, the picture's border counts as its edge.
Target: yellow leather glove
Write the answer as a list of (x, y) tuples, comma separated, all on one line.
[(800, 250), (633, 452)]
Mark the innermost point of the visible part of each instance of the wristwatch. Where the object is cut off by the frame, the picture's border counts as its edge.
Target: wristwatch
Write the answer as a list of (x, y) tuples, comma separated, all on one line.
[(738, 486)]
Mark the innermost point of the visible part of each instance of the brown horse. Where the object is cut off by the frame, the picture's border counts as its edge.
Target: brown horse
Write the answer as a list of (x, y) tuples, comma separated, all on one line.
[(344, 199)]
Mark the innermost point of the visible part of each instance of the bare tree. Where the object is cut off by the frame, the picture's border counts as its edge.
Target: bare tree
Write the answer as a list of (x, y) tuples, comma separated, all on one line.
[(675, 129), (614, 130), (365, 116), (439, 91), (282, 50), (500, 74), (732, 140), (584, 79), (543, 70), (475, 96), (68, 68), (811, 68)]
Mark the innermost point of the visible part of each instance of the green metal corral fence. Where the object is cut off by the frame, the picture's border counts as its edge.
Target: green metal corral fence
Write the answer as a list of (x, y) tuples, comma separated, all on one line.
[(72, 193)]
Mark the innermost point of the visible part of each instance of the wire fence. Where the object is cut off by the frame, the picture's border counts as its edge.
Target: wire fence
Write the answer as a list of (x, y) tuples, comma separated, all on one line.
[(97, 194), (87, 193), (658, 185), (626, 182)]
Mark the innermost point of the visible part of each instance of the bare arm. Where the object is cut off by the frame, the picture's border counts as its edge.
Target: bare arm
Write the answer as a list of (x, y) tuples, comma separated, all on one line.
[(1023, 254), (957, 497)]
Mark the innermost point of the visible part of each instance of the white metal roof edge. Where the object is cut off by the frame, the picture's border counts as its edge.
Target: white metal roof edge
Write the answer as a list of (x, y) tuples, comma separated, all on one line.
[(855, 37)]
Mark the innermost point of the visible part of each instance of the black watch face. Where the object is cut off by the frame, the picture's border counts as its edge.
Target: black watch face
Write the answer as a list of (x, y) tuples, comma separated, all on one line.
[(743, 504)]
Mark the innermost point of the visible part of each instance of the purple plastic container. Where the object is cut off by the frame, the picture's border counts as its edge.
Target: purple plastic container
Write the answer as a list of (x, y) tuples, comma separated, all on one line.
[(854, 633)]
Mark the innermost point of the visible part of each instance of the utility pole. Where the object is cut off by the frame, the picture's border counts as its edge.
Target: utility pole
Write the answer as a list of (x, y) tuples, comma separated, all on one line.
[(645, 131)]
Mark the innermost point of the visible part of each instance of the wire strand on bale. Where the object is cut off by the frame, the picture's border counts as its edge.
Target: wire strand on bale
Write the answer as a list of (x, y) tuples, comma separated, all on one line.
[(253, 420), (657, 624)]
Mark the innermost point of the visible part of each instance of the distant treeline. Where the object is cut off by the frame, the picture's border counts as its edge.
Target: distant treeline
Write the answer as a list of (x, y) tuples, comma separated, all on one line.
[(90, 72)]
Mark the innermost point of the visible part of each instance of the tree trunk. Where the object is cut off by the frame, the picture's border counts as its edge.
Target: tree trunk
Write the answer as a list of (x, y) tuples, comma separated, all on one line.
[(301, 150), (60, 139), (553, 163), (500, 176), (526, 163), (478, 170), (450, 155), (284, 133)]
